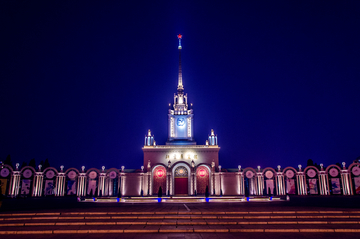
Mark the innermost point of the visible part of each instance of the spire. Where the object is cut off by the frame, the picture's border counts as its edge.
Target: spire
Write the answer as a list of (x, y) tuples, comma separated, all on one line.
[(180, 83)]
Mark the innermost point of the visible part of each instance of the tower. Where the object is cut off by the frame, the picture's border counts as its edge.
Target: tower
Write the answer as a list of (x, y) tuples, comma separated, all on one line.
[(180, 115)]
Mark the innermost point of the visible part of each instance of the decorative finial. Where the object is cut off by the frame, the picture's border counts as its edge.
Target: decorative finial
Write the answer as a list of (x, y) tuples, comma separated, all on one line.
[(169, 164), (192, 163), (149, 164), (279, 167), (17, 166), (343, 164), (142, 168), (219, 168), (239, 167), (122, 168), (62, 168), (40, 166), (258, 167), (149, 132), (299, 167), (179, 37), (83, 168), (322, 166), (212, 164), (180, 83), (103, 168)]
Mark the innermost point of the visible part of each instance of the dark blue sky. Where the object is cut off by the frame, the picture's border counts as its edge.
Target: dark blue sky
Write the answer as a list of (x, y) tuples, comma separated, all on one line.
[(81, 82)]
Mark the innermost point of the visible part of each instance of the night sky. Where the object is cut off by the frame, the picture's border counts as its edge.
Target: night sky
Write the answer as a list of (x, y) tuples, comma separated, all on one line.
[(81, 82)]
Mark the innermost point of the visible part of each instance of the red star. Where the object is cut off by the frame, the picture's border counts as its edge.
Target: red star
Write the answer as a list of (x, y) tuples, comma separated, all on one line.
[(179, 36)]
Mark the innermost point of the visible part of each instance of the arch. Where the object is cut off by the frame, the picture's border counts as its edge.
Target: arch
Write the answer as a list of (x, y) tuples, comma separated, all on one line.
[(71, 183), (312, 182), (269, 169), (202, 181), (93, 169), (5, 181), (74, 169), (159, 174), (334, 183), (113, 169), (249, 168), (332, 166), (354, 179), (27, 167), (9, 167), (353, 165), (290, 183), (311, 167), (27, 183), (92, 184), (269, 183), (250, 183), (49, 184), (187, 166), (50, 168), (292, 168)]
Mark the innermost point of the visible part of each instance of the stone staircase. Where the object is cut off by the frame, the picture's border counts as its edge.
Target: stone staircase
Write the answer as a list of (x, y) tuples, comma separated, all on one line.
[(75, 223)]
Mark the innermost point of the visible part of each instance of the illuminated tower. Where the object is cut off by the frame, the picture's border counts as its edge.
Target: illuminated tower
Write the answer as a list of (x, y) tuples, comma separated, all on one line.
[(180, 115)]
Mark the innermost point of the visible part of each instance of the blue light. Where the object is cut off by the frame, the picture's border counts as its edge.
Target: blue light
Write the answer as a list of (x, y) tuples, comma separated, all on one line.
[(94, 199), (270, 198), (248, 199), (207, 199), (159, 199), (118, 199)]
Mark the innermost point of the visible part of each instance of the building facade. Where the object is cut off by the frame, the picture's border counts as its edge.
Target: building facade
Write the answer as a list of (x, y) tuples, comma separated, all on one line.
[(180, 167)]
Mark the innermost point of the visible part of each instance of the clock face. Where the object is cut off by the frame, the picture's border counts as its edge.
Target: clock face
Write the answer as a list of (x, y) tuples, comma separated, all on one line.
[(180, 121)]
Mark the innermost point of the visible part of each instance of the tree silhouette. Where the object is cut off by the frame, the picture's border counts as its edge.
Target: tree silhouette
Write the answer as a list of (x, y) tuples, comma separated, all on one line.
[(310, 162), (8, 161), (24, 164), (32, 163), (46, 164)]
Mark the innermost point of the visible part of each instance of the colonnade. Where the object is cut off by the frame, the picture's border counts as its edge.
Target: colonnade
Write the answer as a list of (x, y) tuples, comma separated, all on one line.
[(116, 182)]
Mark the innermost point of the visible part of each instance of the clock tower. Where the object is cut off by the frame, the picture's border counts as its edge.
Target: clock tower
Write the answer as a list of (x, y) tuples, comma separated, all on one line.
[(180, 116)]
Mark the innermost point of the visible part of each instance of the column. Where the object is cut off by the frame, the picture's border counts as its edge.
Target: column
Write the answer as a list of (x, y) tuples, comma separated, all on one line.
[(279, 182), (15, 182), (345, 179), (212, 180), (38, 182), (301, 182), (81, 190), (323, 181), (220, 181), (101, 187), (259, 182), (60, 184)]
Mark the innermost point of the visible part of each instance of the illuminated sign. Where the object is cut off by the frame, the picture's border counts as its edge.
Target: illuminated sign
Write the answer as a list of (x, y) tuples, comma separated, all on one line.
[(202, 173), (180, 121), (160, 173)]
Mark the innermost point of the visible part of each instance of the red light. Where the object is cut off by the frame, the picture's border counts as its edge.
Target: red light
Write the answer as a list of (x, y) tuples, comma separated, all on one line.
[(202, 172), (179, 36), (160, 173)]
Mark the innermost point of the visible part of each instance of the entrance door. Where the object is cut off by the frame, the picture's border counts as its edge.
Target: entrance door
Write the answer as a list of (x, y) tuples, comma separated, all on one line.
[(181, 181), (181, 186)]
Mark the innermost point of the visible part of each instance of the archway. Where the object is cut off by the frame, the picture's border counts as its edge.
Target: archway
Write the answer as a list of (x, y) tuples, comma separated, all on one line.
[(181, 176), (202, 179), (159, 179)]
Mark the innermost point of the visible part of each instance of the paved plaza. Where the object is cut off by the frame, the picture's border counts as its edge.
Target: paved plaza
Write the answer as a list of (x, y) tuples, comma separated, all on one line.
[(301, 217)]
